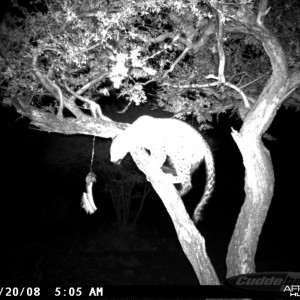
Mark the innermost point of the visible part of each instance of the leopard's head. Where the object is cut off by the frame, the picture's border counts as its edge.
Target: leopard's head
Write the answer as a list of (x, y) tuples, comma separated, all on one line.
[(118, 149)]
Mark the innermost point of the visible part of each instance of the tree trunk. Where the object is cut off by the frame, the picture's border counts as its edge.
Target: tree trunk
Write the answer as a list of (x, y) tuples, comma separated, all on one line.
[(259, 186), (259, 174)]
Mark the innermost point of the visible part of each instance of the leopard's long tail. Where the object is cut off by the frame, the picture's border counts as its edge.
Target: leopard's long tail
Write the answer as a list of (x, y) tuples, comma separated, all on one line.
[(210, 182)]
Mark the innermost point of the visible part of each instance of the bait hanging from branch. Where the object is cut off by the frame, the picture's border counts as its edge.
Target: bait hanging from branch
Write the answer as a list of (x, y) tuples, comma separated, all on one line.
[(87, 199)]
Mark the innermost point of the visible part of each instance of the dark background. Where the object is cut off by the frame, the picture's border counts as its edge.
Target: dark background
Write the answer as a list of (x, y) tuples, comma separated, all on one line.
[(47, 239)]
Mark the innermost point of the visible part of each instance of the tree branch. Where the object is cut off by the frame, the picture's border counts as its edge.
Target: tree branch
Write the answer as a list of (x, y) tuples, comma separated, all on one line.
[(197, 86), (179, 58), (49, 85), (192, 242), (210, 29), (88, 86), (53, 88), (221, 19), (95, 108), (84, 125), (262, 12)]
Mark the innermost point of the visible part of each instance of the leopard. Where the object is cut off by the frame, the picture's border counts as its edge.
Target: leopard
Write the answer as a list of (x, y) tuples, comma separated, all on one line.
[(173, 146)]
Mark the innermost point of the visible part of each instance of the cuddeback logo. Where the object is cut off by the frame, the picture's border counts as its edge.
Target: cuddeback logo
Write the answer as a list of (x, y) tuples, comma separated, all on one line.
[(287, 282)]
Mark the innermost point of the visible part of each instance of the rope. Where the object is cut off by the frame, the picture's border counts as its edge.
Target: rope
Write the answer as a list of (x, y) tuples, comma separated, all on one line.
[(93, 153)]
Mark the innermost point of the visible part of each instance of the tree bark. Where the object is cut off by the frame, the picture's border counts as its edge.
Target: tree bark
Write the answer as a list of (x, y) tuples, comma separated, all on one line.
[(259, 186), (259, 173), (192, 242), (84, 125)]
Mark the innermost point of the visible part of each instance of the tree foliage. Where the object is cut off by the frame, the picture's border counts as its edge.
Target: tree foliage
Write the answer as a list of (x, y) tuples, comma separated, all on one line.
[(163, 48)]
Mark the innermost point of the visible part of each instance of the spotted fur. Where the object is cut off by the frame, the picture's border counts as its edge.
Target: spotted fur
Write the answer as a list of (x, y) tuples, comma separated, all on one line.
[(169, 140)]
